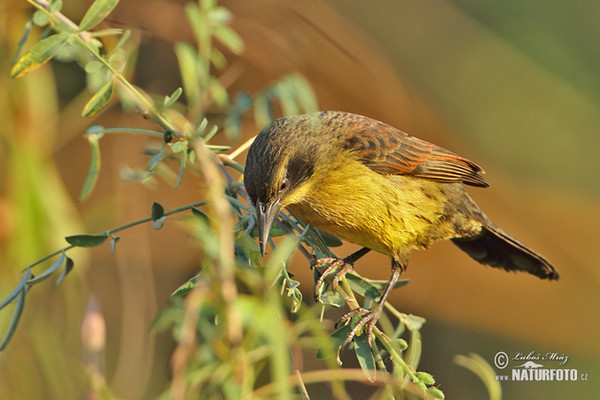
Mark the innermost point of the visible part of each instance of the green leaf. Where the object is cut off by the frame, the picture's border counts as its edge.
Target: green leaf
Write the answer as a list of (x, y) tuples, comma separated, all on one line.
[(178, 147), (436, 393), (413, 354), (157, 211), (17, 289), (399, 344), (220, 16), (362, 287), (44, 275), (365, 356), (425, 378), (182, 163), (40, 18), (170, 100), (99, 100), (413, 322), (209, 135), (229, 38), (68, 267), (15, 319), (246, 247), (333, 299), (186, 287), (86, 240), (263, 109), (480, 367), (381, 285), (187, 58), (55, 5), (200, 214), (303, 93), (41, 53), (334, 342), (94, 171), (96, 13)]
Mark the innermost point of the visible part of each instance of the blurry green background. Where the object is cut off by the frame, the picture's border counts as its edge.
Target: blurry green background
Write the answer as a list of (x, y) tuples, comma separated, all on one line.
[(511, 85)]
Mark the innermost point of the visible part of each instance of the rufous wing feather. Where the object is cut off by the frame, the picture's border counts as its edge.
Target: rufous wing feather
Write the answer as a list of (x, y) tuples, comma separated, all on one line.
[(387, 150)]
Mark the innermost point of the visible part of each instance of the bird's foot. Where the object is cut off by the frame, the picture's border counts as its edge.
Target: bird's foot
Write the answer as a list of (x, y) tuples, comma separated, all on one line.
[(367, 321), (341, 266)]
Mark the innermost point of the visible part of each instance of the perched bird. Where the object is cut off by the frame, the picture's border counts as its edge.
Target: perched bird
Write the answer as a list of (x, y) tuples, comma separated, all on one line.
[(371, 184)]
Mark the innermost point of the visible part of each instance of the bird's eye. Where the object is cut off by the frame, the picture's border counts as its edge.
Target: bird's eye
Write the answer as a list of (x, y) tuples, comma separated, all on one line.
[(283, 185)]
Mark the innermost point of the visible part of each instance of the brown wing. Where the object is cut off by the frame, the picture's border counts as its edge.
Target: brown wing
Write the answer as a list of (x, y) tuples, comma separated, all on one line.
[(387, 150)]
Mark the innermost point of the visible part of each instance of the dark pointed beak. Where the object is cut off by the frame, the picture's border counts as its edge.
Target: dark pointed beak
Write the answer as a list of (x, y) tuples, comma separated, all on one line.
[(266, 215)]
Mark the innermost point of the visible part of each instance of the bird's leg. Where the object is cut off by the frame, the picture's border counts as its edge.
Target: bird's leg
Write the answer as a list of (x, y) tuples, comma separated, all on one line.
[(342, 265), (370, 317)]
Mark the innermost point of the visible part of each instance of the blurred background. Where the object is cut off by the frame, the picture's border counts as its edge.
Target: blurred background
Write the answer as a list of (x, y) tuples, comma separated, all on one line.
[(511, 85)]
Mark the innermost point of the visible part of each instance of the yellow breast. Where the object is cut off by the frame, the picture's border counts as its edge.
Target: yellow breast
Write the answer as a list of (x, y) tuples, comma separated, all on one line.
[(388, 213)]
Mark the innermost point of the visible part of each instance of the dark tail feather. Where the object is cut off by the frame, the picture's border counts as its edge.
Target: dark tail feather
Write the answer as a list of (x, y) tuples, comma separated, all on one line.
[(498, 249)]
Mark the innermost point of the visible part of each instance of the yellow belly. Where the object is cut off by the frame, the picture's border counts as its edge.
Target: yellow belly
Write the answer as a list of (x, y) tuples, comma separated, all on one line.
[(387, 213)]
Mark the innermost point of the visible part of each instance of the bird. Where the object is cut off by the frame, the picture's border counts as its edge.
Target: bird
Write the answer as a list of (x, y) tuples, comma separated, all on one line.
[(371, 184)]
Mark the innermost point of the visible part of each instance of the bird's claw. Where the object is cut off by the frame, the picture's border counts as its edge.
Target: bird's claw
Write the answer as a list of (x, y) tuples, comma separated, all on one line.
[(338, 264), (368, 320)]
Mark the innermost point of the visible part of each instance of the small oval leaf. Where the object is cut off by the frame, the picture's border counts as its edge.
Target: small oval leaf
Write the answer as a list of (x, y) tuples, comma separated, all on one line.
[(68, 267), (99, 100), (157, 211), (87, 240), (41, 53), (96, 13), (49, 271)]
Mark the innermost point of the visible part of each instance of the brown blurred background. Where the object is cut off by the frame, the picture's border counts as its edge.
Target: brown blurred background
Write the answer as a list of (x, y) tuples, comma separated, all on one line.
[(511, 85)]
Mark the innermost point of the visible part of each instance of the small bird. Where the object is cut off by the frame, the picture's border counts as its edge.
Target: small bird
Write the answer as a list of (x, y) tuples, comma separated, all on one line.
[(373, 185)]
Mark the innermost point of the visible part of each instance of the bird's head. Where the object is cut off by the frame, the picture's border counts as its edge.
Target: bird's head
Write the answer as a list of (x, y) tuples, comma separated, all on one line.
[(279, 167)]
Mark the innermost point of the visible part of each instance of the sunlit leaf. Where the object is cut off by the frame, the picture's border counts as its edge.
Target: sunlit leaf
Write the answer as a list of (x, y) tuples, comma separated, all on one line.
[(178, 147), (185, 288), (170, 100), (425, 378), (40, 18), (87, 240), (96, 13), (55, 5), (229, 38), (219, 16), (480, 367), (333, 299), (44, 275), (41, 53), (99, 100), (187, 58), (413, 322)]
